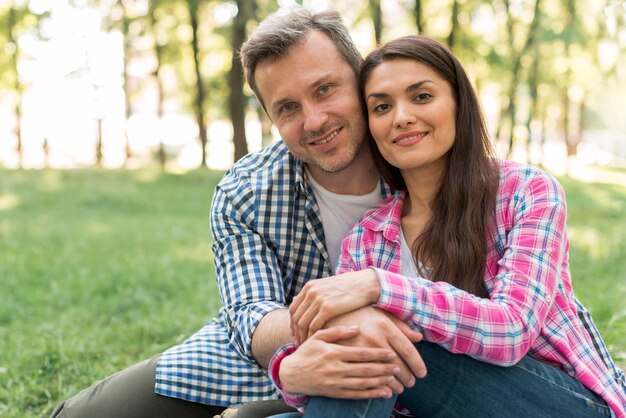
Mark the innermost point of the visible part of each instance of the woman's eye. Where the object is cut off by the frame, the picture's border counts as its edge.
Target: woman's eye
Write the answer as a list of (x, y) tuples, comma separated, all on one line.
[(380, 108), (423, 97)]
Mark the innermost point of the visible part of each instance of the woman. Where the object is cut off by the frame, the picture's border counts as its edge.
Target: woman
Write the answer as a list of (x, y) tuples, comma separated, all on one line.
[(485, 243)]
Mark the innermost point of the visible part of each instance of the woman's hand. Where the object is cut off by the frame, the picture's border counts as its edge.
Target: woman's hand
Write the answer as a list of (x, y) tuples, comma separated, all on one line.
[(324, 299)]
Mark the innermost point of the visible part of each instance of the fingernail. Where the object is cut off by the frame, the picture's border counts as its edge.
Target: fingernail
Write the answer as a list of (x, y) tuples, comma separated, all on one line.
[(411, 382), (351, 327), (395, 371), (391, 356), (422, 373)]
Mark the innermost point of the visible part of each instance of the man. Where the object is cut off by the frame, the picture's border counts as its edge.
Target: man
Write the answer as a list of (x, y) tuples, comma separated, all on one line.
[(277, 219)]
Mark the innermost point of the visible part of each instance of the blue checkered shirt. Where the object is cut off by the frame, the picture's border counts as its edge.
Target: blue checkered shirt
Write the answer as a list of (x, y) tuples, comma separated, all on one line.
[(268, 241)]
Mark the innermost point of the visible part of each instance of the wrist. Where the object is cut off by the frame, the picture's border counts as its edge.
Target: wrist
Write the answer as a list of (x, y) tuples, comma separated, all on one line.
[(274, 368), (373, 287), (283, 376), (282, 354)]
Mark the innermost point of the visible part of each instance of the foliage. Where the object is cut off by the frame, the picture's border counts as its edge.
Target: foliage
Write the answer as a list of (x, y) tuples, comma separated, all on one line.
[(544, 73), (101, 269)]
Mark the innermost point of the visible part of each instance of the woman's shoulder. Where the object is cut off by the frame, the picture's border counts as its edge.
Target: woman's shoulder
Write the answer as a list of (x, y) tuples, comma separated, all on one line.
[(518, 176), (523, 184)]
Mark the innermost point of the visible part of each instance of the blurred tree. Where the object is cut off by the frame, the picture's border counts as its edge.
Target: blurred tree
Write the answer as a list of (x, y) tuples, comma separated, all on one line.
[(574, 35), (158, 54), (125, 22), (521, 29), (237, 98), (377, 20), (12, 20), (454, 26), (17, 20), (248, 15), (194, 9), (418, 13)]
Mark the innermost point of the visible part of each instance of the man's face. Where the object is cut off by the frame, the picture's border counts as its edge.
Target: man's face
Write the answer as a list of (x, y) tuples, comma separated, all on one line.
[(311, 95)]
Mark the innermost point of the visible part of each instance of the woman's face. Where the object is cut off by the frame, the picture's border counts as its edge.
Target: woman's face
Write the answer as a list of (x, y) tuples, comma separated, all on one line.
[(412, 114)]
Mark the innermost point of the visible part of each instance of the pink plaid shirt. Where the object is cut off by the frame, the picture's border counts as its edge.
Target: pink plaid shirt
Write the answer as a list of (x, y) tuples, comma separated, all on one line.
[(532, 308)]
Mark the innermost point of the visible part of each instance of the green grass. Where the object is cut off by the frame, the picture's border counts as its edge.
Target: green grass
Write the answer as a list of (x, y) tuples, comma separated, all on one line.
[(101, 269), (98, 269)]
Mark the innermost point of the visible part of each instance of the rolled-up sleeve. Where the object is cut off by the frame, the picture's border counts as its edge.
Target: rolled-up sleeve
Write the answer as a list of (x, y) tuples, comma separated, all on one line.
[(247, 268)]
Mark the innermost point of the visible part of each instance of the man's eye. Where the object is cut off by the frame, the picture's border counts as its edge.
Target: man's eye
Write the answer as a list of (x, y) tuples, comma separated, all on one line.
[(324, 89), (287, 107)]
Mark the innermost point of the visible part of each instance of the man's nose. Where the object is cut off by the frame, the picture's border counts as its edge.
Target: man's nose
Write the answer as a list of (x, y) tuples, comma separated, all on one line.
[(315, 117)]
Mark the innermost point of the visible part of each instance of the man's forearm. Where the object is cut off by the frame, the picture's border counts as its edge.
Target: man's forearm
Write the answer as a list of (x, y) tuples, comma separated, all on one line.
[(272, 332)]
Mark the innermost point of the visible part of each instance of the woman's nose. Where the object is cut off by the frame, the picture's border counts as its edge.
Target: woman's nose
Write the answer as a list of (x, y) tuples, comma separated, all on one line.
[(404, 117)]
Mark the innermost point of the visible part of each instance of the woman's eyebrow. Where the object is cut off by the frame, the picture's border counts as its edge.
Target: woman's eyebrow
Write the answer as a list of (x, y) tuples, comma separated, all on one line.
[(409, 89), (417, 85)]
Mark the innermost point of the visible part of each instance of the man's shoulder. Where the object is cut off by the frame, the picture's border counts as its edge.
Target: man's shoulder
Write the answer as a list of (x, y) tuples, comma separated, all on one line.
[(268, 158), (273, 163)]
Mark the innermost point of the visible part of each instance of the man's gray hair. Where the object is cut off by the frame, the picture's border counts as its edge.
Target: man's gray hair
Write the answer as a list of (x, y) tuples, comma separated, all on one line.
[(282, 30)]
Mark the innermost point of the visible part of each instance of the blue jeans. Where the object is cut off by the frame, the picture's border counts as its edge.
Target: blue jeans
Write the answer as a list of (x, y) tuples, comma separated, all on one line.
[(460, 386)]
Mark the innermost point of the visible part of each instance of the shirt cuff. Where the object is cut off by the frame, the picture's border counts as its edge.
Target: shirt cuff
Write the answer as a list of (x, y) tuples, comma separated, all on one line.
[(243, 322), (397, 296), (297, 400)]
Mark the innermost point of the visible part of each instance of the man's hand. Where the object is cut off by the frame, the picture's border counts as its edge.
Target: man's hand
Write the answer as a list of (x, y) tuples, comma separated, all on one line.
[(323, 299), (383, 330), (321, 366)]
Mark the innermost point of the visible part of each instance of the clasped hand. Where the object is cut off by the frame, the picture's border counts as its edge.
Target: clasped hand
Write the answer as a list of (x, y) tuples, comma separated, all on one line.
[(323, 299), (363, 352)]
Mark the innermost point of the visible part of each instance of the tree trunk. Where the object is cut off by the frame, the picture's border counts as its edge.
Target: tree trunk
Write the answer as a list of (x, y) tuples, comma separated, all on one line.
[(99, 142), (455, 24), (543, 115), (199, 102), (17, 87), (516, 57), (128, 154), (158, 53), (571, 139), (565, 121), (511, 111), (237, 99), (376, 19), (533, 111), (266, 126), (418, 12)]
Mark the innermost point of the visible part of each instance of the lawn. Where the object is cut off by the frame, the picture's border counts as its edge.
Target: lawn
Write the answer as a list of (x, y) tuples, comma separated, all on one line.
[(100, 269)]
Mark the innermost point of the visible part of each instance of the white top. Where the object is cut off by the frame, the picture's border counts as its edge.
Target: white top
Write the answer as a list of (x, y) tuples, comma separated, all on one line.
[(339, 213), (409, 268)]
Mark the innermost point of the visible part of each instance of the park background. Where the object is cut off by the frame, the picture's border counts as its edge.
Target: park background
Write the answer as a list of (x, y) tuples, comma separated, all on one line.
[(118, 117)]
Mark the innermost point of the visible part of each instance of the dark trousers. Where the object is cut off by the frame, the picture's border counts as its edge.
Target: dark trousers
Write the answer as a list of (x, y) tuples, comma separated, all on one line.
[(130, 394)]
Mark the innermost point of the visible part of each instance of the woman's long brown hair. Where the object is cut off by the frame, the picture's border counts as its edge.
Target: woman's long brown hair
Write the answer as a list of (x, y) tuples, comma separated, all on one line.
[(454, 242)]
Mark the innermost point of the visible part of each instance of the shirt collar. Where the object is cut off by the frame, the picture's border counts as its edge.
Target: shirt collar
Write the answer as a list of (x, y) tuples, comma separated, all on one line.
[(301, 184), (386, 217)]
